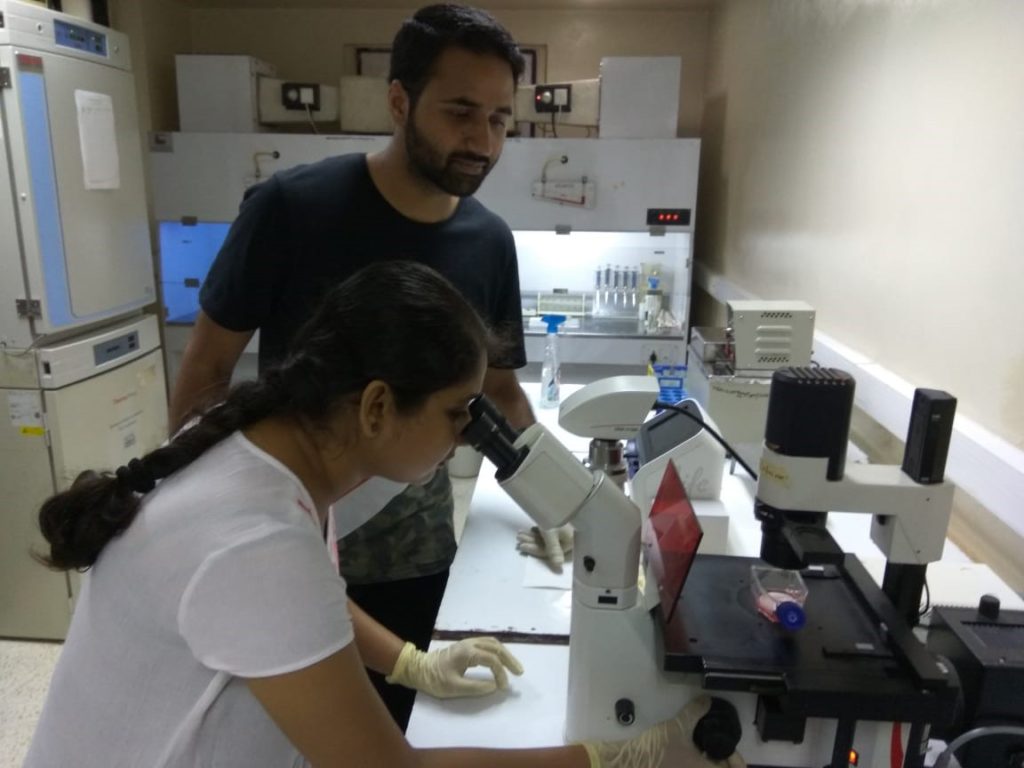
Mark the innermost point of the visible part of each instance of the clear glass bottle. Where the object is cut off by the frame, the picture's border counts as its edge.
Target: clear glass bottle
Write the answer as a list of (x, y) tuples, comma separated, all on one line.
[(551, 369), (779, 595)]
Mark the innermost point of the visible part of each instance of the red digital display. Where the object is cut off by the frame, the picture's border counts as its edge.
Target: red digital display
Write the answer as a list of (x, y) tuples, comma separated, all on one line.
[(669, 216)]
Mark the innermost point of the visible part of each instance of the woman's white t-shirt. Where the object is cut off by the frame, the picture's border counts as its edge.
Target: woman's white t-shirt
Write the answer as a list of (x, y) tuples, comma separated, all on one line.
[(222, 575)]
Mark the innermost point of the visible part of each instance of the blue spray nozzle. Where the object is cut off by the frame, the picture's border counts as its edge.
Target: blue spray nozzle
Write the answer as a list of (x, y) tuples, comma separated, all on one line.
[(553, 322), (653, 281)]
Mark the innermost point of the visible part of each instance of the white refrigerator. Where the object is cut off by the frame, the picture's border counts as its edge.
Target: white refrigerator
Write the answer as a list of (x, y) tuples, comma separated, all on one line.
[(81, 370)]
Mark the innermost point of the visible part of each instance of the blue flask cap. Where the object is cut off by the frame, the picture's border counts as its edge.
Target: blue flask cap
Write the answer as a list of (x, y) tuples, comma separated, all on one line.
[(791, 615)]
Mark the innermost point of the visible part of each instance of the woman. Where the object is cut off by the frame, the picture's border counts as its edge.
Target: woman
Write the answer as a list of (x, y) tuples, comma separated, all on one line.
[(212, 628)]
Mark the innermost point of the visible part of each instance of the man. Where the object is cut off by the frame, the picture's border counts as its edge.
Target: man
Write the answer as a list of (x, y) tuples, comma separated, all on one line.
[(452, 82)]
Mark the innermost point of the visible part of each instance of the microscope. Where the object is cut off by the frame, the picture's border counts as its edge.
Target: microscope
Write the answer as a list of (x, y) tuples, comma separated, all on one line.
[(804, 475), (854, 682)]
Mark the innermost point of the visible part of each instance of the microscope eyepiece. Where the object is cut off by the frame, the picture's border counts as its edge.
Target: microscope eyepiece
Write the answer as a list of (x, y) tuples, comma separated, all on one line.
[(493, 436)]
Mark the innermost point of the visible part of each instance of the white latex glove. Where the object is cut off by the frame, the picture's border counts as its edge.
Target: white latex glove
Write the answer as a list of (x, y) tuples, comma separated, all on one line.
[(663, 745), (442, 673), (553, 544)]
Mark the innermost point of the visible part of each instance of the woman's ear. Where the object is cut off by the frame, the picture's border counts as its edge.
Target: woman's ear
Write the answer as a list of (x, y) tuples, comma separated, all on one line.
[(376, 407)]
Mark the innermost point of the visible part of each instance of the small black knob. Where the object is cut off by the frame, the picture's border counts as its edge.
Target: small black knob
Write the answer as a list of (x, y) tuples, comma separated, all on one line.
[(988, 607), (718, 733), (625, 712), (589, 563)]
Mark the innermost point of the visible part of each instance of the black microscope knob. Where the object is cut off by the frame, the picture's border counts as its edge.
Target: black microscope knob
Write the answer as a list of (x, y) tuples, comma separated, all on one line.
[(718, 733), (988, 607)]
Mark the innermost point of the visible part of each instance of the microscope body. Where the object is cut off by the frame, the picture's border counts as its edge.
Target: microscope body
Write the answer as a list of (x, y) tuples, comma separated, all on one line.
[(619, 680), (803, 476)]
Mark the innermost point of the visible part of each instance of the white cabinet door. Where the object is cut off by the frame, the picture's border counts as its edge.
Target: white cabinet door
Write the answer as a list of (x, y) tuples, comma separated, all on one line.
[(34, 601), (105, 421)]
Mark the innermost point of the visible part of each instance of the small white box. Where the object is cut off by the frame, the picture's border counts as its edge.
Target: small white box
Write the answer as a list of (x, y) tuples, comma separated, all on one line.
[(219, 94), (639, 97)]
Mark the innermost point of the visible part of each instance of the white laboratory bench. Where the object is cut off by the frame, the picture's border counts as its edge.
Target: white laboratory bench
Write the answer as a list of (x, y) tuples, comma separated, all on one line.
[(486, 594)]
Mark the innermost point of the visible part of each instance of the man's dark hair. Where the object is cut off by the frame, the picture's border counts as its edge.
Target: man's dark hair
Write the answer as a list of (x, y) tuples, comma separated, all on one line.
[(432, 30)]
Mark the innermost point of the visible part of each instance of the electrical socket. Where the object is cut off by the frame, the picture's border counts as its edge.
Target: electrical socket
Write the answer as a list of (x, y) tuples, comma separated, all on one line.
[(299, 96), (552, 98), (668, 351)]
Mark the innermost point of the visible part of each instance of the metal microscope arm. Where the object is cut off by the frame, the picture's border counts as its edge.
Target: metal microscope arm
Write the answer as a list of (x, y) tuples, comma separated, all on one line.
[(910, 519), (804, 476)]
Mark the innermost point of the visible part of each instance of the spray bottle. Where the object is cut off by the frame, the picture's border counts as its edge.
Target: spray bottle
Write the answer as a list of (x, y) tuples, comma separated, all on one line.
[(551, 370)]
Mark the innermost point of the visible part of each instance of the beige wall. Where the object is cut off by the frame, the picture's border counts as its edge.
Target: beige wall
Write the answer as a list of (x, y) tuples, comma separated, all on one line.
[(158, 29), (308, 43), (868, 157)]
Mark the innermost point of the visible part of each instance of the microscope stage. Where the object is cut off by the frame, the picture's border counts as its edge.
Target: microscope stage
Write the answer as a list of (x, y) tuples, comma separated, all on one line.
[(842, 663)]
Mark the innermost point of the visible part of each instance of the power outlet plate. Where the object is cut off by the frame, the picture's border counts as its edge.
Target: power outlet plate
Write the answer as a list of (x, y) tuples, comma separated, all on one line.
[(552, 98), (300, 96)]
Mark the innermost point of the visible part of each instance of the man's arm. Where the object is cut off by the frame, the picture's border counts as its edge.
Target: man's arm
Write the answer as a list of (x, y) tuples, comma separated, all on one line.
[(209, 359), (502, 387)]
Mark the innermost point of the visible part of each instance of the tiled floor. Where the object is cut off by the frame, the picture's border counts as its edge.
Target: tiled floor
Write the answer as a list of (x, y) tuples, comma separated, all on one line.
[(26, 667), (25, 670)]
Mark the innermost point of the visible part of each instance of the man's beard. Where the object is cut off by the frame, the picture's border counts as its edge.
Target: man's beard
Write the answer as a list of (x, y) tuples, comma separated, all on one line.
[(439, 170)]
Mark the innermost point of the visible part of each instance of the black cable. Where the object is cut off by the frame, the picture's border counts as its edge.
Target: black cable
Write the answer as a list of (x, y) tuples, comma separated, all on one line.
[(927, 600), (728, 448), (554, 128)]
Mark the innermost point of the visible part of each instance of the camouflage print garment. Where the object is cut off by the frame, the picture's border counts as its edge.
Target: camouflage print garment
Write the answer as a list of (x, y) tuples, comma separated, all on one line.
[(414, 535)]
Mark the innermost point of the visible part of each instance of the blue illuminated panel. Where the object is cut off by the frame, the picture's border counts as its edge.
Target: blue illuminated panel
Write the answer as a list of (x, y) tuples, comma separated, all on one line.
[(80, 38), (186, 253)]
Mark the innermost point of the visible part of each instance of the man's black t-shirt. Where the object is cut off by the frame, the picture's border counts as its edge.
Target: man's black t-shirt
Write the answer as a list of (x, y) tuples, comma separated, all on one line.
[(307, 229)]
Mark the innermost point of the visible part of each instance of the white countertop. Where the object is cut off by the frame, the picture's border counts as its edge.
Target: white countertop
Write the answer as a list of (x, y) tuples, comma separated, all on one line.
[(531, 713)]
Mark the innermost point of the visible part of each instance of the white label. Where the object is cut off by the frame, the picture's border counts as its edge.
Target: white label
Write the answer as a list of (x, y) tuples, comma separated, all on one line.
[(101, 165), (25, 409)]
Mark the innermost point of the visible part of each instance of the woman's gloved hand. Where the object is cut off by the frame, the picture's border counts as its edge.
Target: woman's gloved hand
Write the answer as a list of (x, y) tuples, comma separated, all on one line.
[(663, 745), (442, 673), (553, 545)]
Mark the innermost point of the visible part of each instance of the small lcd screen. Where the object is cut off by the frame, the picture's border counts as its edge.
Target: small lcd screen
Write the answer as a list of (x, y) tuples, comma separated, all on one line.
[(665, 431), (79, 38), (110, 350)]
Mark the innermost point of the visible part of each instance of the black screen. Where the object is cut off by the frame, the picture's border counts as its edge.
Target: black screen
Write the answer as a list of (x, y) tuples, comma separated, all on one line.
[(665, 431)]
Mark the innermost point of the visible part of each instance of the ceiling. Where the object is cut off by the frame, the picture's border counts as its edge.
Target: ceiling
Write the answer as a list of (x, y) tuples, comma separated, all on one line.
[(619, 5)]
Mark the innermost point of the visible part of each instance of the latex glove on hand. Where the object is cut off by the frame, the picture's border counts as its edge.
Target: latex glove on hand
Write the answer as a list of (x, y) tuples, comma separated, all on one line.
[(442, 673), (553, 545), (666, 744)]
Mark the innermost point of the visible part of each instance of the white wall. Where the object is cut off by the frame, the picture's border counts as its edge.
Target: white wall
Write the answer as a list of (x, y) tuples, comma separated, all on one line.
[(868, 157)]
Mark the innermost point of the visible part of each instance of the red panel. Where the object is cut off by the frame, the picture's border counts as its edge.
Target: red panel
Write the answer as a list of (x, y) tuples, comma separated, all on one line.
[(671, 537)]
